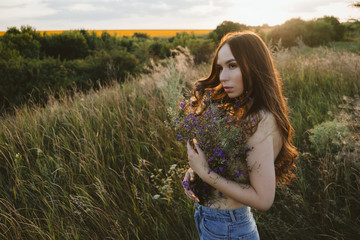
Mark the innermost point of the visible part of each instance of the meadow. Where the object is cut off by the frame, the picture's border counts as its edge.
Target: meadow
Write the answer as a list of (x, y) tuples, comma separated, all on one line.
[(104, 165)]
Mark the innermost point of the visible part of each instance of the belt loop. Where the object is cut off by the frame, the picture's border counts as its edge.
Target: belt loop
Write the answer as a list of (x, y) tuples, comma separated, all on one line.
[(233, 219), (199, 208)]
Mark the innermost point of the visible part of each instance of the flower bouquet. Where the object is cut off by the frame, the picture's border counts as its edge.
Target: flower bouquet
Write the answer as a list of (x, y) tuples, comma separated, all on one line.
[(218, 133)]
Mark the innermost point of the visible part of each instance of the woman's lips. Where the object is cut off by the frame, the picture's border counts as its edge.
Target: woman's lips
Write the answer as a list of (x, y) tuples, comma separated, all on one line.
[(227, 89)]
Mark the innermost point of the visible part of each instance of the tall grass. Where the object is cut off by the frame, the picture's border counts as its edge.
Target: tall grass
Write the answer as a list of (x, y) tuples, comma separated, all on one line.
[(105, 166), (81, 168), (314, 82), (323, 201)]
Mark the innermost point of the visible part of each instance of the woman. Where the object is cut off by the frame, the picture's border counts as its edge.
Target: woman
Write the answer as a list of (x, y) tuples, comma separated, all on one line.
[(243, 71)]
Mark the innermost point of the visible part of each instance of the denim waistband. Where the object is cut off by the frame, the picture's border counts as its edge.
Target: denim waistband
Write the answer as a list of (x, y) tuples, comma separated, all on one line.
[(223, 214)]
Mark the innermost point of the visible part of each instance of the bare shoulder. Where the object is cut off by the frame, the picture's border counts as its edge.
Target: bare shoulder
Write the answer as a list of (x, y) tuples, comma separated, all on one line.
[(267, 138), (267, 122), (267, 131)]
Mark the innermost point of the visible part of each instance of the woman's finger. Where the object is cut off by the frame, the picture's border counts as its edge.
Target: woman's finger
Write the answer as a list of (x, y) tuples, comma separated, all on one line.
[(188, 146), (190, 194), (187, 176), (191, 174)]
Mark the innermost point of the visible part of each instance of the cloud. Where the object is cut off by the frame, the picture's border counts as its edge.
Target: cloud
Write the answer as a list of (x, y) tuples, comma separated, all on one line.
[(92, 11), (15, 3), (70, 14), (22, 9), (86, 10), (306, 6), (83, 7)]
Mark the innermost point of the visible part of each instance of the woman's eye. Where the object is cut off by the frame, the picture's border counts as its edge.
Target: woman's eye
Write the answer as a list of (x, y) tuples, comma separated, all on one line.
[(232, 65)]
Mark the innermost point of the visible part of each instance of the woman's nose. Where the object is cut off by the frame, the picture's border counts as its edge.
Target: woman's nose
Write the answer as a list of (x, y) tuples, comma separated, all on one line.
[(223, 76)]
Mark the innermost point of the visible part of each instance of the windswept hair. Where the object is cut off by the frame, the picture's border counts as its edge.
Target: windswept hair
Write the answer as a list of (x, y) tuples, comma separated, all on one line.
[(262, 92)]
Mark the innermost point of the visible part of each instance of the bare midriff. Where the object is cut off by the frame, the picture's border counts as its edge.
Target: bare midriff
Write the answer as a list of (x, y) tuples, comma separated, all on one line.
[(224, 203)]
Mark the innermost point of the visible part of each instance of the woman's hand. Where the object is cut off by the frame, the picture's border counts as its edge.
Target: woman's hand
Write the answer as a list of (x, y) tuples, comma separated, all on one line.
[(189, 177), (197, 159)]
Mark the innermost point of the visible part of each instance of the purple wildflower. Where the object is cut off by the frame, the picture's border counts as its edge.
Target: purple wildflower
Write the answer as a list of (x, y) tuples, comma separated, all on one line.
[(182, 105), (218, 152), (229, 120), (186, 184), (238, 154), (240, 173), (178, 136)]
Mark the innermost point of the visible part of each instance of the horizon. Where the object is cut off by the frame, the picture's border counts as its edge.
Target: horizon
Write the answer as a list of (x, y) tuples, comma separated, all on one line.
[(130, 32)]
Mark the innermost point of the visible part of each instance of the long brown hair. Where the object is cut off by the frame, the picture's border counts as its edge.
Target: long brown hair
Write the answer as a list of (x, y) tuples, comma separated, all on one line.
[(262, 91)]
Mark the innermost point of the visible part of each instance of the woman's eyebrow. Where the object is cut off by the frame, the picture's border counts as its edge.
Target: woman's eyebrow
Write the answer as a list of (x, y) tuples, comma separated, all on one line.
[(230, 60)]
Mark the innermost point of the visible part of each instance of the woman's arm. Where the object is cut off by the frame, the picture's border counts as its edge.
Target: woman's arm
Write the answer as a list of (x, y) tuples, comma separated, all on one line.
[(260, 193)]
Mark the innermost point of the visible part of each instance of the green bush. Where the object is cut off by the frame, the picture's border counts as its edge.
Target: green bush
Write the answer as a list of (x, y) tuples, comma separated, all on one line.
[(102, 68), (8, 53), (68, 45), (202, 49), (226, 27), (313, 33), (141, 36), (24, 79), (318, 32), (159, 49), (182, 39), (338, 28), (352, 31), (329, 137), (288, 33), (25, 41)]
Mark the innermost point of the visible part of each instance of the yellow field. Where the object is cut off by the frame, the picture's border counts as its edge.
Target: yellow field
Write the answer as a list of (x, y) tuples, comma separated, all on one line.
[(151, 32)]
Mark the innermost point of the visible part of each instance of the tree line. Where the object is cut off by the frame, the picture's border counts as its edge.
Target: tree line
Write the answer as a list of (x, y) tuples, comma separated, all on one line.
[(32, 65)]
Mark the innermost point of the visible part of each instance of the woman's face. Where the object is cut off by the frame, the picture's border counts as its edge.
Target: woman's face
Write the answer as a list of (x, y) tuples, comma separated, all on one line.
[(229, 72)]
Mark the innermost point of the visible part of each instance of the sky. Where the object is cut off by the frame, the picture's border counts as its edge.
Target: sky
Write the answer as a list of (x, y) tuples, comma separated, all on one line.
[(164, 14)]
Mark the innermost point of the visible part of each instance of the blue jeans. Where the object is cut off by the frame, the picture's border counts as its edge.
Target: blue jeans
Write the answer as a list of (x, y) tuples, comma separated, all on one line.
[(214, 224)]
